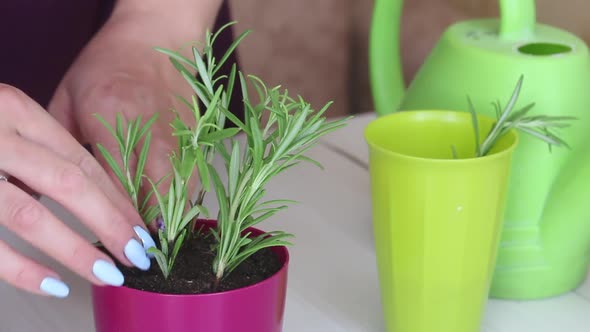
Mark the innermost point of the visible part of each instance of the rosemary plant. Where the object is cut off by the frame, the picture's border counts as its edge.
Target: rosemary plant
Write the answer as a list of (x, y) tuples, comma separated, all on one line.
[(541, 127), (292, 127)]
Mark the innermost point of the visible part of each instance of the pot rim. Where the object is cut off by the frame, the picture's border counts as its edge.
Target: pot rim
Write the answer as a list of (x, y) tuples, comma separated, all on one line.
[(282, 251)]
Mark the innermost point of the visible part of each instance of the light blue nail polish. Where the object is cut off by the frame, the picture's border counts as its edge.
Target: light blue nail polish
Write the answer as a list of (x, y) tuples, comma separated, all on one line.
[(136, 254), (54, 287), (107, 273), (145, 237)]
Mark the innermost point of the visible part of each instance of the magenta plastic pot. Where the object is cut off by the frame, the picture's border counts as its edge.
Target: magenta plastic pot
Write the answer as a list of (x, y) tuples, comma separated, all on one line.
[(256, 308)]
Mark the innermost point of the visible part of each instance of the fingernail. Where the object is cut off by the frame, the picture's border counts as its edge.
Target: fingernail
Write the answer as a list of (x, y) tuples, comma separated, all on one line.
[(54, 287), (145, 237), (107, 273), (136, 254)]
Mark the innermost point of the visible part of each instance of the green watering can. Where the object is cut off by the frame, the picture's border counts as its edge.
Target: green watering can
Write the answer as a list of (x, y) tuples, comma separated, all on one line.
[(545, 244)]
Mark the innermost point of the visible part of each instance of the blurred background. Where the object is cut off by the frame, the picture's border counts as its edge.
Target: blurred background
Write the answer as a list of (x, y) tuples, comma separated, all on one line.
[(319, 47)]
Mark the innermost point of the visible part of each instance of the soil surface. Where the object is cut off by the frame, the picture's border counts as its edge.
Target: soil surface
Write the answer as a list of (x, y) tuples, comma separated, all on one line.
[(192, 272)]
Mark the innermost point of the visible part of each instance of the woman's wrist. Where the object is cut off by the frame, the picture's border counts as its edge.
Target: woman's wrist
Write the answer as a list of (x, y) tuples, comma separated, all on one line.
[(166, 23)]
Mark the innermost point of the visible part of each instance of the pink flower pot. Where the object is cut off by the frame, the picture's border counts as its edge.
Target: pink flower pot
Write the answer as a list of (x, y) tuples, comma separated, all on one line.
[(256, 308)]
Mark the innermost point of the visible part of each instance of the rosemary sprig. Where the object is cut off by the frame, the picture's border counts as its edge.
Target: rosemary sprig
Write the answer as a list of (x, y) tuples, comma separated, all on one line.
[(541, 127), (128, 138), (292, 128), (175, 214), (208, 89)]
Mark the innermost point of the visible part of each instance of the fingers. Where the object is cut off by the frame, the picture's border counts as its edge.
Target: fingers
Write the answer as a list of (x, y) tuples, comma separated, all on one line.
[(63, 144), (35, 224), (43, 156), (61, 108), (130, 98), (24, 187), (67, 184), (25, 274)]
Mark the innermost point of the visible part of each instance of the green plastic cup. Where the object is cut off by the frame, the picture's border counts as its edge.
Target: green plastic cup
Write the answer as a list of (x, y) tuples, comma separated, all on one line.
[(437, 220)]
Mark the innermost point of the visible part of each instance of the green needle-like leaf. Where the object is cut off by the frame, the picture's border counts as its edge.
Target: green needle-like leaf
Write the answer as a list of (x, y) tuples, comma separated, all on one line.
[(203, 170), (234, 169), (220, 192), (150, 214), (230, 50), (119, 126), (141, 160), (202, 70), (112, 163), (163, 243), (475, 123), (177, 57), (146, 127), (222, 134), (161, 260), (177, 246), (190, 215)]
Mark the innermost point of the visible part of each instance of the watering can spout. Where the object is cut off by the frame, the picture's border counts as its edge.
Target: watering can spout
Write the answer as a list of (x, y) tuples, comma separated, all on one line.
[(550, 254)]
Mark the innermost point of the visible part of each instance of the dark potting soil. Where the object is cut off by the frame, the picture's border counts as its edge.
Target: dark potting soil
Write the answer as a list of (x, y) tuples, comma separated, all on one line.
[(192, 272)]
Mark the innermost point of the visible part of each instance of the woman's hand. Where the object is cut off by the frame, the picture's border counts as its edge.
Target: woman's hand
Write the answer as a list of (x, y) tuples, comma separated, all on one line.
[(44, 156), (120, 72), (116, 74)]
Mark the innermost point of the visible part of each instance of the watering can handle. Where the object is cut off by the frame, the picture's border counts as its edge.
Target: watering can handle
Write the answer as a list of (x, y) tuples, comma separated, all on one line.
[(517, 22), (385, 68)]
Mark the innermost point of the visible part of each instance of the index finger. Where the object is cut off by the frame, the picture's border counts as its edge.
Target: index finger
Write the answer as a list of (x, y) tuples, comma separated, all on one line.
[(38, 126)]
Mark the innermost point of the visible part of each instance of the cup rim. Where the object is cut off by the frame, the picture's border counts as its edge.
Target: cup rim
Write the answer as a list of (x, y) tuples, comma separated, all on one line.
[(441, 113)]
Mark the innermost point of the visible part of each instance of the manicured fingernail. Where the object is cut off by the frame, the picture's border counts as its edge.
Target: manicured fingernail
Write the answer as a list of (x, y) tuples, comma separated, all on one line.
[(145, 237), (54, 287), (107, 273), (136, 254)]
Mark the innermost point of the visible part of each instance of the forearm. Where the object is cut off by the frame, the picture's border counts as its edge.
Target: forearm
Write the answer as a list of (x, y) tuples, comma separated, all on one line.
[(170, 23)]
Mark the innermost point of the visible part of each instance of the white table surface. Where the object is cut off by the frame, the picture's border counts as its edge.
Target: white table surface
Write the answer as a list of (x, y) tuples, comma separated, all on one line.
[(332, 224)]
